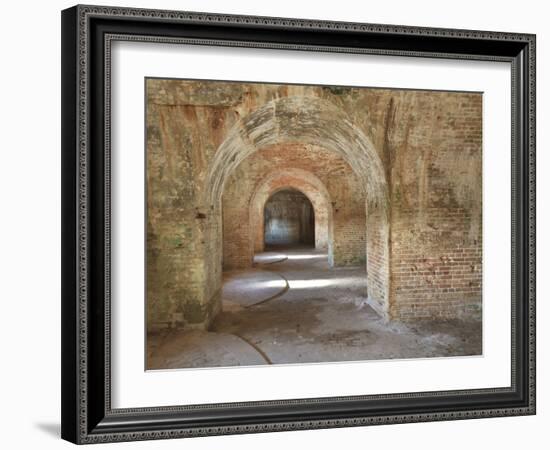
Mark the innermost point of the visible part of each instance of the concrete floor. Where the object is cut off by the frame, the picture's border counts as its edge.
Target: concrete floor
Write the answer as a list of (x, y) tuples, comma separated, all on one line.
[(292, 308)]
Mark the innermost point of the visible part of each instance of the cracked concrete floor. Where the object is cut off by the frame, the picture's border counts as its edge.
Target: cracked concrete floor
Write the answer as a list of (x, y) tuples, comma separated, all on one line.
[(292, 308)]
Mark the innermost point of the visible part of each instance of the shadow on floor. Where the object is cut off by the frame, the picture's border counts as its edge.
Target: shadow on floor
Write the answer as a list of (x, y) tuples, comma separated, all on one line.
[(52, 429)]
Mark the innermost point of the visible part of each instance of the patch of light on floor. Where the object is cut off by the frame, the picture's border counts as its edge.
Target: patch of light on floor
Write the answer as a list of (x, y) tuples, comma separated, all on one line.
[(322, 282), (268, 258), (305, 284), (307, 256), (265, 284)]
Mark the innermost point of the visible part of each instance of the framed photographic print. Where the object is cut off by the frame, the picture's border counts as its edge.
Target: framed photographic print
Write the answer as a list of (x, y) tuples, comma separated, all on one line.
[(278, 224)]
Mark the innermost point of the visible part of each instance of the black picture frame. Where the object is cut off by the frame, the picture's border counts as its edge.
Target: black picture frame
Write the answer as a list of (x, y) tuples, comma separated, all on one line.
[(87, 32)]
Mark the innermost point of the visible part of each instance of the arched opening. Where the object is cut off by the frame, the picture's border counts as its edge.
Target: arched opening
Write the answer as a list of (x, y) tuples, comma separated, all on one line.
[(289, 220), (308, 184), (313, 121)]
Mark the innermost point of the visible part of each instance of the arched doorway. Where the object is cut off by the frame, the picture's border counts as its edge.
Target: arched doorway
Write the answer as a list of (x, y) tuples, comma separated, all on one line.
[(290, 119), (311, 187), (289, 220)]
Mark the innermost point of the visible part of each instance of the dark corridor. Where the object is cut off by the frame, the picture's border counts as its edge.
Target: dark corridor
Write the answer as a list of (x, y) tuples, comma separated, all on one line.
[(289, 219)]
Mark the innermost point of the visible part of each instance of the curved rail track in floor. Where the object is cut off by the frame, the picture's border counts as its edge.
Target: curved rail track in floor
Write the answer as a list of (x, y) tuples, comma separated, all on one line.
[(279, 294)]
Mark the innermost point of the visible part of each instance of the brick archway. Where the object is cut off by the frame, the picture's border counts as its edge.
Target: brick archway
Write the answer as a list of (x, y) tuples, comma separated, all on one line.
[(310, 186), (311, 120), (308, 120)]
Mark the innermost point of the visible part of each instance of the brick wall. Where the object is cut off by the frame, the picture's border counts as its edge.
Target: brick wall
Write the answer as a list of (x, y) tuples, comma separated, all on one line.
[(436, 220), (444, 279), (179, 287), (378, 259)]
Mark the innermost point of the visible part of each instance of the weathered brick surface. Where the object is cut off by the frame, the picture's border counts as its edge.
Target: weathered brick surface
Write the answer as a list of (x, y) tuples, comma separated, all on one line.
[(445, 279), (436, 222), (378, 260), (413, 157)]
